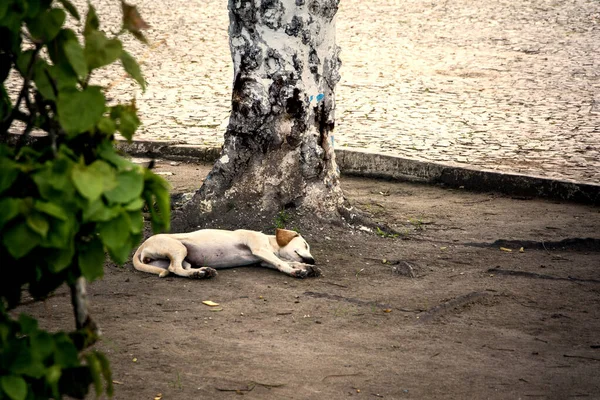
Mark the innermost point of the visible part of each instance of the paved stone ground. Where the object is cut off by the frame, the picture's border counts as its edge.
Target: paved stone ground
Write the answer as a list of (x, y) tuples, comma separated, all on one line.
[(505, 85)]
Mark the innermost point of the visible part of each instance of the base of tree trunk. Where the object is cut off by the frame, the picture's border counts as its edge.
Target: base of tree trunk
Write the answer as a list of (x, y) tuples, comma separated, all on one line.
[(249, 215), (278, 148)]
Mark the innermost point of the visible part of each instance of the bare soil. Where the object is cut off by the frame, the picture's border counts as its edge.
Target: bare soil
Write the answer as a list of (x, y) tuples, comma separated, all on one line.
[(438, 312)]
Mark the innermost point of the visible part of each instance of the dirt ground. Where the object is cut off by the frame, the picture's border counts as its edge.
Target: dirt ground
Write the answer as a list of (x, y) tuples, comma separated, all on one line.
[(439, 312)]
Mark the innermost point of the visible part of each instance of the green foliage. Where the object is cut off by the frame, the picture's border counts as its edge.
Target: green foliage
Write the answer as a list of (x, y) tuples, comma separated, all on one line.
[(67, 201), (281, 219), (380, 232)]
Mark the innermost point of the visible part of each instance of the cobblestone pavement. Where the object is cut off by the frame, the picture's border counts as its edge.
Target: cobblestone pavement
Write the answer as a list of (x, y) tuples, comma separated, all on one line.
[(503, 85)]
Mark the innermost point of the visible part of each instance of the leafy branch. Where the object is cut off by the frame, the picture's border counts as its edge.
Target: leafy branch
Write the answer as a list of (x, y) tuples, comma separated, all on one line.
[(67, 201)]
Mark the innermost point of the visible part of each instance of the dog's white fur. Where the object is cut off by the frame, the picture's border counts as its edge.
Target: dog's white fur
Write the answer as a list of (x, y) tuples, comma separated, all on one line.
[(198, 254)]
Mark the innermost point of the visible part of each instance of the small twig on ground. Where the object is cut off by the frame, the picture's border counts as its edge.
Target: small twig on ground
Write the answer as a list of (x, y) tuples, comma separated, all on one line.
[(250, 386), (497, 348), (582, 357), (545, 247), (334, 284)]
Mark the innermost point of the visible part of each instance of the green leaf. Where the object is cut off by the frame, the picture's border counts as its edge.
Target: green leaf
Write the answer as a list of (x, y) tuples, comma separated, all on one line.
[(115, 236), (10, 170), (43, 80), (42, 345), (38, 223), (106, 372), (53, 375), (71, 9), (59, 259), (3, 8), (80, 111), (19, 359), (28, 324), (107, 152), (14, 386), (91, 259), (96, 370), (130, 185), (157, 190), (9, 209), (120, 254), (34, 7), (100, 51), (127, 118), (75, 55), (137, 221), (92, 23), (20, 240), (92, 180), (135, 205), (107, 126), (133, 69), (96, 211), (23, 62), (64, 76), (46, 25), (5, 103), (56, 51), (12, 21), (51, 209), (66, 354), (61, 233), (54, 183)]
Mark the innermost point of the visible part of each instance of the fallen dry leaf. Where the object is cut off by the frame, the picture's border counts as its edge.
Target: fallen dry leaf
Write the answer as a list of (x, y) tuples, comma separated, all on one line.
[(505, 249), (210, 303), (521, 250)]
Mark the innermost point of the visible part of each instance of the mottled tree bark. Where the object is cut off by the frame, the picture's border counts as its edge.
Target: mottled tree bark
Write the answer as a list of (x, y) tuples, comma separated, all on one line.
[(278, 149)]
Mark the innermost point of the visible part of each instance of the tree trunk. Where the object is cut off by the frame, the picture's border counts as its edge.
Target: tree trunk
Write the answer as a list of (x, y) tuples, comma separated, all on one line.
[(278, 149)]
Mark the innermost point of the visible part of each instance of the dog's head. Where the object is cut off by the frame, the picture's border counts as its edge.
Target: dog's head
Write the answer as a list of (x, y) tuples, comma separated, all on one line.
[(293, 247)]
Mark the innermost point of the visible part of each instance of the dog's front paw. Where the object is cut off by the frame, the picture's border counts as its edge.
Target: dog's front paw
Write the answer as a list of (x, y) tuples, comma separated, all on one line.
[(204, 273), (302, 271)]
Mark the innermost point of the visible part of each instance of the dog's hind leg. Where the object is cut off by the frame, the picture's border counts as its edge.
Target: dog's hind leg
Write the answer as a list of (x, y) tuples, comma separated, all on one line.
[(179, 266), (170, 253)]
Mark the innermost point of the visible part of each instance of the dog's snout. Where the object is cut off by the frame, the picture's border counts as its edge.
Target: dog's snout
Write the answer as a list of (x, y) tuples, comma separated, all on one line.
[(308, 260)]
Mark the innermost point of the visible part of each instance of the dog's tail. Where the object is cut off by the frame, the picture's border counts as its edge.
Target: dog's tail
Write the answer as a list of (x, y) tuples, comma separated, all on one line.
[(140, 265)]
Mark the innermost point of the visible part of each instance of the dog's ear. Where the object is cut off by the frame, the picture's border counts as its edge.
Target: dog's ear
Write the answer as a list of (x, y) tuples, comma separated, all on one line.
[(283, 236)]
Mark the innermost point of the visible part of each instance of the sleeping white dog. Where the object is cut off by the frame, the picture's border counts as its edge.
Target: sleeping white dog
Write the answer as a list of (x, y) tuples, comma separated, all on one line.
[(199, 254)]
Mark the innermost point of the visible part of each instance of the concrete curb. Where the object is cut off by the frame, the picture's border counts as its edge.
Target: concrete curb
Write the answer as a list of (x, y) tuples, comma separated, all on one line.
[(368, 164)]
